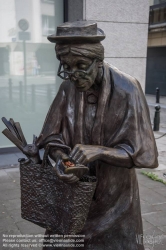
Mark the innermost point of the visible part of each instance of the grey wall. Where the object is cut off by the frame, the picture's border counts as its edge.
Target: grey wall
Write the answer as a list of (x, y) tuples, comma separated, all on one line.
[(125, 23), (156, 70), (75, 10)]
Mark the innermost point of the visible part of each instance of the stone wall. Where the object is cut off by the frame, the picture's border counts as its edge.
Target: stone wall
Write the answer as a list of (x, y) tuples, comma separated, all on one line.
[(125, 23), (75, 10)]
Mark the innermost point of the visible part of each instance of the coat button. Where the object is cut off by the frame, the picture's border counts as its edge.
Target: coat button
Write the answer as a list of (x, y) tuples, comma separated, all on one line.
[(92, 99)]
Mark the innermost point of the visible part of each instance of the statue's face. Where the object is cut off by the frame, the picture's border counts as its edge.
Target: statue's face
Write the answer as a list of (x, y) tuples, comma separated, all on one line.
[(72, 63)]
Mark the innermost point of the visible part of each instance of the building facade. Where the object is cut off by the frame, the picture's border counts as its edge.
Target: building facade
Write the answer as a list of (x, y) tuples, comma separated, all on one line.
[(28, 64), (42, 17), (156, 54)]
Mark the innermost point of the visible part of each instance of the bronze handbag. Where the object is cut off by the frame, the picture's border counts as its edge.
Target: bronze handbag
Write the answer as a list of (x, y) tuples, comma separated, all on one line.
[(51, 203), (45, 199)]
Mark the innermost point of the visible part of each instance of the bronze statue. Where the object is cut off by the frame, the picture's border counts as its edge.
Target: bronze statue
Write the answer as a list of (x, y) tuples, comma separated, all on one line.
[(102, 115)]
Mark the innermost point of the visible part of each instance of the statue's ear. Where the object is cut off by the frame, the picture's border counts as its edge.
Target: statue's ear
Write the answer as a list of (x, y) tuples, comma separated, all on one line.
[(100, 64)]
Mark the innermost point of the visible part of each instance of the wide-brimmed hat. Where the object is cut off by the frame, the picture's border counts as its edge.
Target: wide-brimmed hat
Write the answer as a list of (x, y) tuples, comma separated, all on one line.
[(78, 31)]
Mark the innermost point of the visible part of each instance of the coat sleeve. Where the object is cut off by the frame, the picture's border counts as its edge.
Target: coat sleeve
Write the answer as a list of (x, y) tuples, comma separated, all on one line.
[(133, 130), (141, 145)]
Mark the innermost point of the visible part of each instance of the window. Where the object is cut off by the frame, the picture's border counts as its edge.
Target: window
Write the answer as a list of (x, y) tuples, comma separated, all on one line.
[(159, 1), (48, 1), (154, 2), (27, 88), (157, 14), (48, 25)]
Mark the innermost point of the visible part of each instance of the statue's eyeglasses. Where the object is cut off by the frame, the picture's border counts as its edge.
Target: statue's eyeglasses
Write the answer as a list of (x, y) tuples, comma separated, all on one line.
[(77, 73)]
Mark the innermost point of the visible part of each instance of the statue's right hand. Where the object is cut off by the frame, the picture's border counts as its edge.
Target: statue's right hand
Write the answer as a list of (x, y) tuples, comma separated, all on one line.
[(59, 170)]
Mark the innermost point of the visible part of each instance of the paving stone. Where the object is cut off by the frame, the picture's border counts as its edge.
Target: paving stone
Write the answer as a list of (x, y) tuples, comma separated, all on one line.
[(12, 204), (151, 196), (157, 246), (142, 178), (153, 231), (4, 213), (160, 207), (149, 183), (27, 227), (5, 178), (34, 240), (8, 185), (155, 243), (23, 237), (9, 232), (156, 218), (10, 194), (13, 172), (146, 225), (17, 181), (146, 207), (2, 207), (2, 173), (16, 215), (7, 224), (163, 228), (161, 190)]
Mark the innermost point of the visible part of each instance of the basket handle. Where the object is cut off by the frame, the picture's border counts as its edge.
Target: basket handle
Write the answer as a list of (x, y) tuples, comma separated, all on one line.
[(52, 144)]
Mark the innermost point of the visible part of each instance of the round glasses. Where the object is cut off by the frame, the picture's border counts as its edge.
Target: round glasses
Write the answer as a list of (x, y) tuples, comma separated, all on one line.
[(77, 73)]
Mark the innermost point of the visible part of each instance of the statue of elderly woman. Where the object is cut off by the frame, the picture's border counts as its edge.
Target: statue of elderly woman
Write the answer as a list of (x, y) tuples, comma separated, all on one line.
[(102, 115)]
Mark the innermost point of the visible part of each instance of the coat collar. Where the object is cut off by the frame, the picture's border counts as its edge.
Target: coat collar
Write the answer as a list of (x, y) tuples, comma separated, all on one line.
[(97, 131)]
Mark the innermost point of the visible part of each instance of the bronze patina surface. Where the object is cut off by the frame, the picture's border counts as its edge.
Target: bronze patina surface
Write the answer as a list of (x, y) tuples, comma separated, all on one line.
[(103, 116)]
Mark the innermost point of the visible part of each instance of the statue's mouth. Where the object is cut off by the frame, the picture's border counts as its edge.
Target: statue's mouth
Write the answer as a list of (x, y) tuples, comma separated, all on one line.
[(81, 85)]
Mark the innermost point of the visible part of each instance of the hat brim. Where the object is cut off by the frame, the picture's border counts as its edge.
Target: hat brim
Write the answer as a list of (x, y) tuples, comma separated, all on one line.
[(78, 39)]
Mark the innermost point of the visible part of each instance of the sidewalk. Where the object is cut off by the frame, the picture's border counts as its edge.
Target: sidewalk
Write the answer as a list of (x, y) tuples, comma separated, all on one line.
[(151, 100)]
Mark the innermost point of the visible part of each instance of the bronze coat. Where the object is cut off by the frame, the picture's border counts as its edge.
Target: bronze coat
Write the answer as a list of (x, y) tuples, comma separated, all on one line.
[(122, 120)]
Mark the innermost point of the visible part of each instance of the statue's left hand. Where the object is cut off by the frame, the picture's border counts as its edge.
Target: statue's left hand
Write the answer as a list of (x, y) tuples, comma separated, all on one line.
[(84, 154), (59, 170)]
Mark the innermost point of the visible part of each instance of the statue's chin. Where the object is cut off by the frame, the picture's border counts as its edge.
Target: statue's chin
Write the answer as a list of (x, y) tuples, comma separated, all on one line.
[(82, 87)]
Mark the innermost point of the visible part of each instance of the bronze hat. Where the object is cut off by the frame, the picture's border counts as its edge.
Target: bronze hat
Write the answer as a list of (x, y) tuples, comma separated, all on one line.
[(78, 31)]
